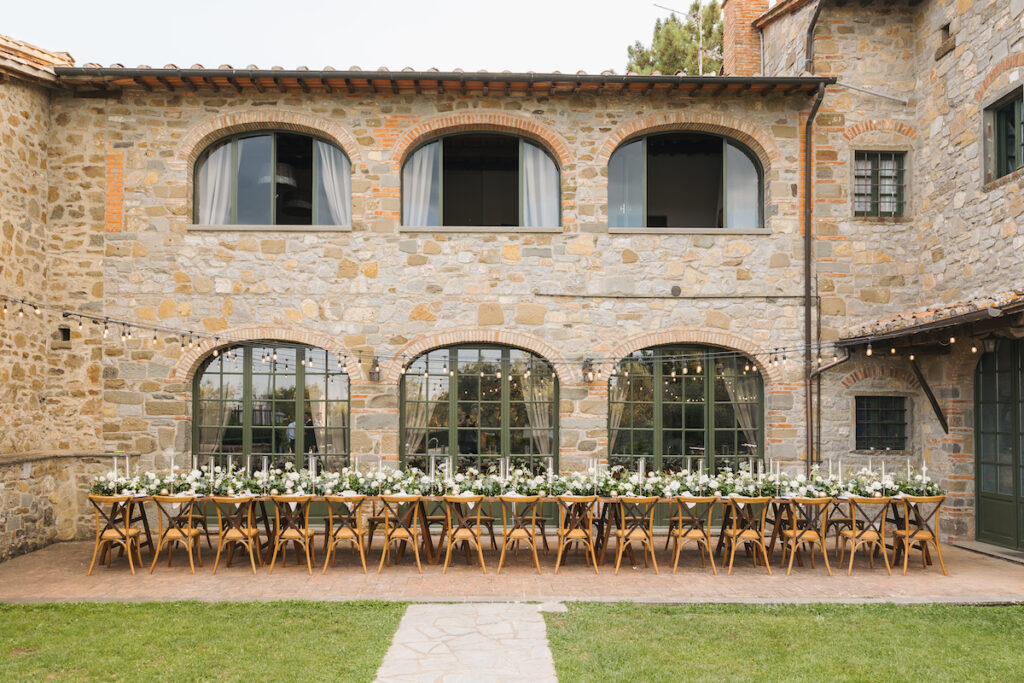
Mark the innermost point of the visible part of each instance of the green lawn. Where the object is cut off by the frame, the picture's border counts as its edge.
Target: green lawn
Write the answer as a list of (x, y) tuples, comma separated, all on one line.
[(626, 642), (279, 641)]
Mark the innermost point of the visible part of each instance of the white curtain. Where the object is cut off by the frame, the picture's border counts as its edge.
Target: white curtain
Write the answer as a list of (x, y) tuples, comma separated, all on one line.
[(540, 396), (418, 186), (335, 190), (540, 188), (745, 388), (215, 188)]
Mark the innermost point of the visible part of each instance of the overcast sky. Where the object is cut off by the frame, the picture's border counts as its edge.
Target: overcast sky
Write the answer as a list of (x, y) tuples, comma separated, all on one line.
[(523, 35)]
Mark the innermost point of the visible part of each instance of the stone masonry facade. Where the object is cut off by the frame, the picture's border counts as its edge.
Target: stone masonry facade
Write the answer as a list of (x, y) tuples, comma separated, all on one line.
[(97, 194)]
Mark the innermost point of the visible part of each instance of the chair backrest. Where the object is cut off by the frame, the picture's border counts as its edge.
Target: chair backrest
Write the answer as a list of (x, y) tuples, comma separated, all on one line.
[(577, 512), (809, 514), (748, 513), (520, 510), (459, 517), (291, 512), (179, 518), (637, 513), (118, 519), (400, 512), (344, 511), (868, 514), (921, 513), (695, 512), (234, 512)]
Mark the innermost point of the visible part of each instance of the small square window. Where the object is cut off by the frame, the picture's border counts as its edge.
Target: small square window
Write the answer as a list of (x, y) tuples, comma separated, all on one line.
[(879, 182), (881, 423), (1008, 135)]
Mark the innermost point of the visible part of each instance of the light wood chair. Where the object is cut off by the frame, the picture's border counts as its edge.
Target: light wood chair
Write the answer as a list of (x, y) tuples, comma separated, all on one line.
[(838, 521), (693, 523), (344, 525), (867, 522), (178, 513), (747, 517), (291, 523), (519, 525), (463, 526), (920, 527), (636, 525), (400, 526), (114, 528), (576, 526), (808, 519), (236, 528)]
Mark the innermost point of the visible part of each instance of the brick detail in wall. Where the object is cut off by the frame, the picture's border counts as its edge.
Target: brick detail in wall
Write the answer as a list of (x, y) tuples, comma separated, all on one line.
[(1009, 62), (903, 129), (113, 217), (742, 43), (874, 371)]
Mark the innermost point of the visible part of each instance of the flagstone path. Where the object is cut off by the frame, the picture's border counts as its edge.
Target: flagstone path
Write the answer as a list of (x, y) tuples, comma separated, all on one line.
[(470, 642)]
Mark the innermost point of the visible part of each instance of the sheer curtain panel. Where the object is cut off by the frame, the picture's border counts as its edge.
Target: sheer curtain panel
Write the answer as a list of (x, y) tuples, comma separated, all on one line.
[(420, 187), (540, 187), (215, 188), (334, 200)]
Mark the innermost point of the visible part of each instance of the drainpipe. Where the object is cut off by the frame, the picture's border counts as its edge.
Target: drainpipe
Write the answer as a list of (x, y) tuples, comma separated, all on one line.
[(808, 249), (809, 50)]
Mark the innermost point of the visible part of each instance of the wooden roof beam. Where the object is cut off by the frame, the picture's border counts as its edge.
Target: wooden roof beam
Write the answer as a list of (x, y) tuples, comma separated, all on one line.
[(209, 83), (280, 86), (137, 81), (234, 84), (303, 85), (260, 88), (164, 82)]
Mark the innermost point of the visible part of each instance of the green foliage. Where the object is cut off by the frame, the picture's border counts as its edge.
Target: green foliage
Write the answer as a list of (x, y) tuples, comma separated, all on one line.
[(675, 44), (191, 641), (598, 642)]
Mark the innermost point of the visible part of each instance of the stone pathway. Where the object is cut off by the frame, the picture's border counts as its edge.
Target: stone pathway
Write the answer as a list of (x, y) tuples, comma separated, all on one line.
[(470, 642)]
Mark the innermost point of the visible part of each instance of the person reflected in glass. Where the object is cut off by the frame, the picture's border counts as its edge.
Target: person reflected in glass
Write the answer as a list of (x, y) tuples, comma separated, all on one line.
[(467, 434), (309, 434), (291, 436)]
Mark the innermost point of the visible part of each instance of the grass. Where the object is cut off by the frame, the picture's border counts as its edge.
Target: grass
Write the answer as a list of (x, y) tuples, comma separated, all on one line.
[(279, 641), (626, 642)]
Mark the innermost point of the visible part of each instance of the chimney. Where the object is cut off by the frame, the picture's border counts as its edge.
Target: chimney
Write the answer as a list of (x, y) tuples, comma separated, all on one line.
[(742, 43)]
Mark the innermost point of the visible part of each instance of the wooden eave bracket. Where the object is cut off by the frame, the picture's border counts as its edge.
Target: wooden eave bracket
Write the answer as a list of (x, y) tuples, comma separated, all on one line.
[(931, 396)]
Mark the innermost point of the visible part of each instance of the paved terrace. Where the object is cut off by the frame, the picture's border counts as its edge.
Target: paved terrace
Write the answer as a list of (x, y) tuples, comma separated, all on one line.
[(58, 573)]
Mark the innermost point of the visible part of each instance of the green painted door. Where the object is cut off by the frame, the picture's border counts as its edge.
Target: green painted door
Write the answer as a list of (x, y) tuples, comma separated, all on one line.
[(999, 438)]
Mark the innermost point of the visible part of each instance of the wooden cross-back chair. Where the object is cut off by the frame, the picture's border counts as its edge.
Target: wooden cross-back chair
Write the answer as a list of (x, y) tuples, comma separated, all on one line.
[(463, 526), (867, 522), (519, 524), (636, 525), (178, 512), (344, 525), (808, 519), (400, 526), (747, 517), (236, 527), (576, 526), (693, 523), (838, 521), (920, 527), (291, 523), (114, 529)]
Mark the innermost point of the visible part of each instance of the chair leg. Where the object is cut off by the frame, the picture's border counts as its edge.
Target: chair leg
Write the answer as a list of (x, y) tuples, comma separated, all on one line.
[(938, 551), (156, 555), (589, 545), (383, 554), (331, 549), (504, 549), (906, 554), (416, 551), (447, 556), (362, 555), (131, 564), (273, 558), (675, 561), (480, 554), (252, 557), (711, 556), (533, 547), (824, 555), (654, 560), (95, 552), (792, 554), (558, 558), (618, 556), (309, 563), (732, 553)]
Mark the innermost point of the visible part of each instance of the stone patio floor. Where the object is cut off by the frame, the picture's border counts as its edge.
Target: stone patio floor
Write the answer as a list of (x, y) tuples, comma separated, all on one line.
[(58, 573)]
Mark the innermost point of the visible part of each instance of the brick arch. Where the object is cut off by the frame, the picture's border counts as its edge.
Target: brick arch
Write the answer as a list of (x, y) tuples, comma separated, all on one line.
[(1009, 62), (876, 371), (891, 125), (689, 335), (527, 342), (754, 137), (205, 133), (466, 121), (187, 364)]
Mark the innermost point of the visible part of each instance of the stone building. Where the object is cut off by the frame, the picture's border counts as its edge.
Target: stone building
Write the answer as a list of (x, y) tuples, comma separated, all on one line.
[(598, 266)]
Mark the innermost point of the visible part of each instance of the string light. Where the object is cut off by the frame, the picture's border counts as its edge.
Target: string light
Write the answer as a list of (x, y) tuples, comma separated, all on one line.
[(952, 340), (974, 348), (868, 352)]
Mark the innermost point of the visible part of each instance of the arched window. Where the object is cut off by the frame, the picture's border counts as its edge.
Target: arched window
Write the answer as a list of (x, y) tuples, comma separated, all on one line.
[(481, 179), (281, 400), (311, 183), (678, 405), (684, 180), (477, 403)]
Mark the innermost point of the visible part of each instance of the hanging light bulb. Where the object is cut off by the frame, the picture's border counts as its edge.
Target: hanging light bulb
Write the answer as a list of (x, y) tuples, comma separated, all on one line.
[(952, 340), (835, 355), (215, 353), (309, 362), (190, 340), (21, 311), (974, 348), (868, 352), (5, 313), (183, 344), (911, 356), (892, 350), (699, 368), (106, 330), (686, 369), (80, 325), (36, 309), (673, 373), (275, 354), (302, 362)]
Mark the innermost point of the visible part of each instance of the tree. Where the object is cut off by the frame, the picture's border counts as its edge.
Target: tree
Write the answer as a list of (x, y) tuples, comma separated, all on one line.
[(676, 45)]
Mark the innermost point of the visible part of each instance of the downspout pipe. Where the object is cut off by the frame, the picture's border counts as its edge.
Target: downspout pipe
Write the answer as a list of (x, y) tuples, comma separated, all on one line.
[(808, 274), (809, 49)]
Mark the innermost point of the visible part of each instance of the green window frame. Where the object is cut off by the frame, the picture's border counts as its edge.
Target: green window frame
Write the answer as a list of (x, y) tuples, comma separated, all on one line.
[(439, 169), (504, 404), (674, 406), (879, 183), (233, 141), (1009, 135), (727, 142), (881, 423), (243, 402)]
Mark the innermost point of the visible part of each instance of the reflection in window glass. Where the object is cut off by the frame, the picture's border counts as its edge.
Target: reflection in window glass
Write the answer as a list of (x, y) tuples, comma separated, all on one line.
[(743, 189), (625, 186), (254, 181)]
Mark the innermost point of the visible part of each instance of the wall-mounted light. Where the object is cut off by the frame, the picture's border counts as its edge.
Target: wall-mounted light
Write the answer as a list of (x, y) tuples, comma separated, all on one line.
[(989, 344), (375, 370), (588, 370)]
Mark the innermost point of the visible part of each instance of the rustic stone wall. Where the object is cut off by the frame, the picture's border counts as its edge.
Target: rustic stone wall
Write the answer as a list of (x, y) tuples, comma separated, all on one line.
[(44, 498)]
